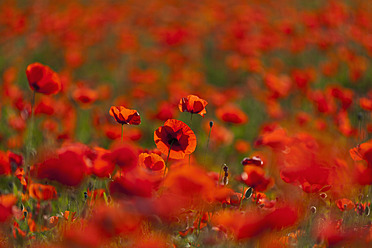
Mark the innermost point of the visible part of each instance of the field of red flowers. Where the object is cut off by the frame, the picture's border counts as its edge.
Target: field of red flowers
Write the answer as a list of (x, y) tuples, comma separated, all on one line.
[(169, 123)]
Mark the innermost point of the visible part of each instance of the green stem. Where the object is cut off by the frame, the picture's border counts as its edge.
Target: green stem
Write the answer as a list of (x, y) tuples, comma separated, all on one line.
[(206, 148), (122, 133), (241, 200), (166, 161), (190, 128)]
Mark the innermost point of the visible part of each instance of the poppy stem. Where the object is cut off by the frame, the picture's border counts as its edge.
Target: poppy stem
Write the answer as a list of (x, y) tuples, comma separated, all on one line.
[(241, 199), (122, 133), (29, 142), (190, 127), (166, 161), (209, 136), (32, 118)]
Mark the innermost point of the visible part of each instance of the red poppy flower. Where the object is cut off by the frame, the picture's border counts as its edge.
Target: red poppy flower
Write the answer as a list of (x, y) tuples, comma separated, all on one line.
[(365, 103), (67, 168), (152, 162), (125, 116), (254, 177), (135, 182), (42, 79), (193, 104), (5, 168), (46, 106), (125, 156), (165, 111), (6, 204), (102, 166), (42, 192), (232, 114), (85, 95), (345, 204), (177, 137), (363, 152)]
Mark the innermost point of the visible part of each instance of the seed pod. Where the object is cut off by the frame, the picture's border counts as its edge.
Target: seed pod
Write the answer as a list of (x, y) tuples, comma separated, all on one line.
[(313, 209)]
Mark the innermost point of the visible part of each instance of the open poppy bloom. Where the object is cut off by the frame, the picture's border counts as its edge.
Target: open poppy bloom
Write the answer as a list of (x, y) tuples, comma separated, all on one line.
[(193, 104), (42, 192), (254, 177), (42, 79), (152, 162), (125, 116), (175, 138)]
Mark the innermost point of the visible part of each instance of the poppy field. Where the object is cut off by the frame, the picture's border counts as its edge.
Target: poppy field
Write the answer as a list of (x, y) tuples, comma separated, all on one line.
[(169, 123)]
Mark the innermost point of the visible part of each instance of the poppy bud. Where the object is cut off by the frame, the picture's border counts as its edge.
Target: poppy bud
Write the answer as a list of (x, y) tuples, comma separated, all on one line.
[(360, 116), (211, 124)]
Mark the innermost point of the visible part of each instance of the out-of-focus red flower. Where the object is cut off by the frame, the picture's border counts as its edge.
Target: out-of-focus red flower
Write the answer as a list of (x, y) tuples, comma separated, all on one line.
[(276, 139), (282, 217), (232, 114), (253, 223), (175, 137), (17, 122), (303, 118), (102, 165), (42, 79), (279, 86), (193, 104), (302, 163), (302, 78), (242, 146), (85, 96), (46, 106), (42, 192), (105, 224), (345, 96), (331, 231), (254, 177), (124, 155), (6, 203), (66, 167), (190, 181), (362, 152), (165, 111), (138, 181), (365, 103), (323, 101), (5, 168), (125, 116), (362, 174)]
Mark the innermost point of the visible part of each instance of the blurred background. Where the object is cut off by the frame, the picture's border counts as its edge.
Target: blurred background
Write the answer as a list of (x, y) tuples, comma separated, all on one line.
[(289, 61)]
